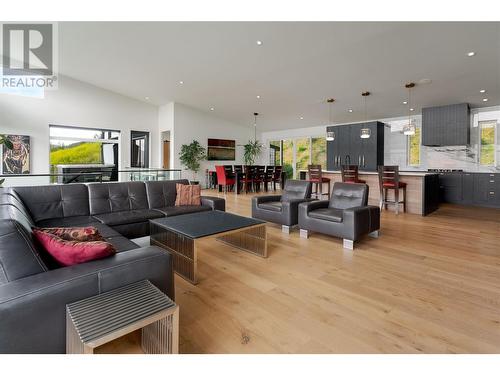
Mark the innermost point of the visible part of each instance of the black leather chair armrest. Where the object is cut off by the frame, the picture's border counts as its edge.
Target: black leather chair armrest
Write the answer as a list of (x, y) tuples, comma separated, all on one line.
[(361, 220), (291, 207), (215, 203), (266, 198), (307, 207), (33, 309)]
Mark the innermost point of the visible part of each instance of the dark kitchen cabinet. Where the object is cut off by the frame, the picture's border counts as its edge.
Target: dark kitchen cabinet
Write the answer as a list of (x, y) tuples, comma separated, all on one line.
[(447, 125), (476, 189), (349, 148)]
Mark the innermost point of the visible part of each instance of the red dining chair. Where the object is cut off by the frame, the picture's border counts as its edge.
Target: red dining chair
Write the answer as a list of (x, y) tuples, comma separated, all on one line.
[(317, 179), (222, 178)]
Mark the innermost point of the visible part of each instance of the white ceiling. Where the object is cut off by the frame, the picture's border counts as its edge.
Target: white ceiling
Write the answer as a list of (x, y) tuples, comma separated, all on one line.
[(296, 68)]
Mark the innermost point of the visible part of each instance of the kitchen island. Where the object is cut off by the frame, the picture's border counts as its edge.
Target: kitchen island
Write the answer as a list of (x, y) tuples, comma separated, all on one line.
[(422, 189)]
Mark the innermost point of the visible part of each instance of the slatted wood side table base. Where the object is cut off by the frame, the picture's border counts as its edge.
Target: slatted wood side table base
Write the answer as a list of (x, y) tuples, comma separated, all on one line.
[(97, 320)]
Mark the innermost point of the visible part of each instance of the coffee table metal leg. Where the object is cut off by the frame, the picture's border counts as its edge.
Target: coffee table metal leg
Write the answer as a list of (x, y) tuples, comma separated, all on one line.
[(253, 240), (183, 251)]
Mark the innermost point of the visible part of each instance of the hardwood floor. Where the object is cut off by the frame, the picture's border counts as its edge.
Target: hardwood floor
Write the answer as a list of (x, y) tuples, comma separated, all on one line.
[(427, 285)]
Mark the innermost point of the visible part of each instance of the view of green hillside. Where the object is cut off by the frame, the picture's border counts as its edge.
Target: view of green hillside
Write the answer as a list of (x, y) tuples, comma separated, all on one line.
[(79, 153), (488, 145)]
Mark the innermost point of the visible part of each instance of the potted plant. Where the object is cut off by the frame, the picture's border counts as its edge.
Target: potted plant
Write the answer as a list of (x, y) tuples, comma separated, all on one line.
[(190, 156), (252, 151), (7, 143)]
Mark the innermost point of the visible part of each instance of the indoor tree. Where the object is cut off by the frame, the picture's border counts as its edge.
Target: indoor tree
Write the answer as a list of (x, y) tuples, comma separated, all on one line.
[(252, 151), (191, 155)]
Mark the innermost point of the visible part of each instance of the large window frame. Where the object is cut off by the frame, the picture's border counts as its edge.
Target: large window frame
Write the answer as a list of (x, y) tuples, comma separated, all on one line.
[(494, 124), (294, 150)]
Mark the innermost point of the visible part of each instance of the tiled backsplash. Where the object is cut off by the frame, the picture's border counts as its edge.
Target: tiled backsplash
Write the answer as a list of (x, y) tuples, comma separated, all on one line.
[(449, 157)]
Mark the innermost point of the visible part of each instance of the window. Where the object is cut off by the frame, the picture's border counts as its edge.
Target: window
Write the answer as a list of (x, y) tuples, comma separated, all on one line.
[(318, 151), (139, 149), (72, 145), (275, 153), (302, 154), (288, 157), (487, 145), (414, 148)]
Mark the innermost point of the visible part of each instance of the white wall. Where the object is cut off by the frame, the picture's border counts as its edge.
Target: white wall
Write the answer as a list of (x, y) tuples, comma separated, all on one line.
[(192, 124), (76, 103)]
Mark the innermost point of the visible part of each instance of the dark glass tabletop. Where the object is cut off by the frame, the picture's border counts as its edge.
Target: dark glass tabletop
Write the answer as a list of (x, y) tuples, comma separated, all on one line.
[(207, 223)]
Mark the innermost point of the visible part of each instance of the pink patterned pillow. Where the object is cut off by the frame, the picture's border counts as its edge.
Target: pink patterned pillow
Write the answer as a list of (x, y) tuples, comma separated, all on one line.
[(69, 253), (80, 234), (188, 195)]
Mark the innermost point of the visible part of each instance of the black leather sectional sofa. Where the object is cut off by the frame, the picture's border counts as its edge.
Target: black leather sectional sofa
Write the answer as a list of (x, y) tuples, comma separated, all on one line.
[(34, 290)]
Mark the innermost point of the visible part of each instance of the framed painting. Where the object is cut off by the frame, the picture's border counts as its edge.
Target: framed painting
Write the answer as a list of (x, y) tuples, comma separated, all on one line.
[(17, 160)]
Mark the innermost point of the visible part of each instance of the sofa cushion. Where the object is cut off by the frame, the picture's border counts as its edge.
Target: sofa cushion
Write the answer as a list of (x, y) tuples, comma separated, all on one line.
[(74, 233), (19, 257), (54, 201), (271, 206), (105, 230), (188, 195), (74, 221), (128, 217), (117, 197), (69, 253), (122, 244), (162, 193), (329, 214), (345, 195), (181, 210)]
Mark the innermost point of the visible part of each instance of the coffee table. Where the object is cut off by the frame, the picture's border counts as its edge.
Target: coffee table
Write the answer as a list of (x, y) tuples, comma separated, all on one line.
[(181, 236)]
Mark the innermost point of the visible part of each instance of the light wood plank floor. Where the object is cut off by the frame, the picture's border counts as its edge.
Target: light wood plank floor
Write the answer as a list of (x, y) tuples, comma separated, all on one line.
[(427, 285)]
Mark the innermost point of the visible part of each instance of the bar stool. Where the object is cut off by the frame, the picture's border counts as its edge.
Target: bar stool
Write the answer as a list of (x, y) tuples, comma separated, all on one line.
[(316, 177), (388, 177), (350, 174)]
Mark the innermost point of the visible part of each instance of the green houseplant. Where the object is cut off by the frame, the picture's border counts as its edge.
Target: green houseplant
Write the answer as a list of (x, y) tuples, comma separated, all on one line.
[(190, 156), (6, 143), (252, 151)]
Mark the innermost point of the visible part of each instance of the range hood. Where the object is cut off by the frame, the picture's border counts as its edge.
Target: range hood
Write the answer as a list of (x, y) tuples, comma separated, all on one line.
[(447, 125)]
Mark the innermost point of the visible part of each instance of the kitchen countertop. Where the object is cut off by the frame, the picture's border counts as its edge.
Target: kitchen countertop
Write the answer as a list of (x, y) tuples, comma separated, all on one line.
[(401, 173)]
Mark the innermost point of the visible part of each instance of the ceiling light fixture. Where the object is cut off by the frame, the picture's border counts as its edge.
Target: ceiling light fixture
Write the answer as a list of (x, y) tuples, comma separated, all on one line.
[(485, 99), (181, 82), (330, 135), (412, 109), (405, 102), (255, 114), (146, 97), (470, 54), (365, 133), (212, 108), (301, 117), (259, 42), (482, 91), (258, 96), (409, 128), (349, 110)]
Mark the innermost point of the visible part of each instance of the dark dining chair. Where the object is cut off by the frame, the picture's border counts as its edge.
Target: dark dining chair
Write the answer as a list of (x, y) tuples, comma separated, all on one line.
[(277, 177), (269, 175), (259, 177), (350, 174), (388, 177), (317, 179)]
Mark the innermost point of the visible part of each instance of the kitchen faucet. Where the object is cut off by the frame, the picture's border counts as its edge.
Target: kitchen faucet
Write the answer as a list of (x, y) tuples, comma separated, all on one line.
[(347, 160)]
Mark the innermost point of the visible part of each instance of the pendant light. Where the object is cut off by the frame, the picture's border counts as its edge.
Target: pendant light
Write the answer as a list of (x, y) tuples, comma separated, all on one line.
[(255, 114), (409, 128), (365, 132), (330, 135)]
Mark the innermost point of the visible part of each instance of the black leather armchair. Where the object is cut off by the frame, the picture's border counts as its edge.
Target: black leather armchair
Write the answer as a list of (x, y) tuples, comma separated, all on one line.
[(282, 209), (346, 215)]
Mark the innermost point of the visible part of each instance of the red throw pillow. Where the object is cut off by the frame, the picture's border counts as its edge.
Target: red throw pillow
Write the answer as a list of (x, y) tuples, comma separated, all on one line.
[(188, 195), (69, 253), (80, 234)]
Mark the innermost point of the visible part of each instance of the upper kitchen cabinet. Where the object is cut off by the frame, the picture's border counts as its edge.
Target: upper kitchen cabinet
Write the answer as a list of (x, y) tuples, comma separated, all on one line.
[(447, 125)]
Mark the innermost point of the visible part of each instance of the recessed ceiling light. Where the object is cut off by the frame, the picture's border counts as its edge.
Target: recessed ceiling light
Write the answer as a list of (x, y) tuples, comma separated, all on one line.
[(212, 108), (259, 42), (405, 102), (482, 91), (181, 82), (425, 81), (470, 54), (258, 96), (146, 97), (350, 110), (485, 99), (412, 109), (301, 117)]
